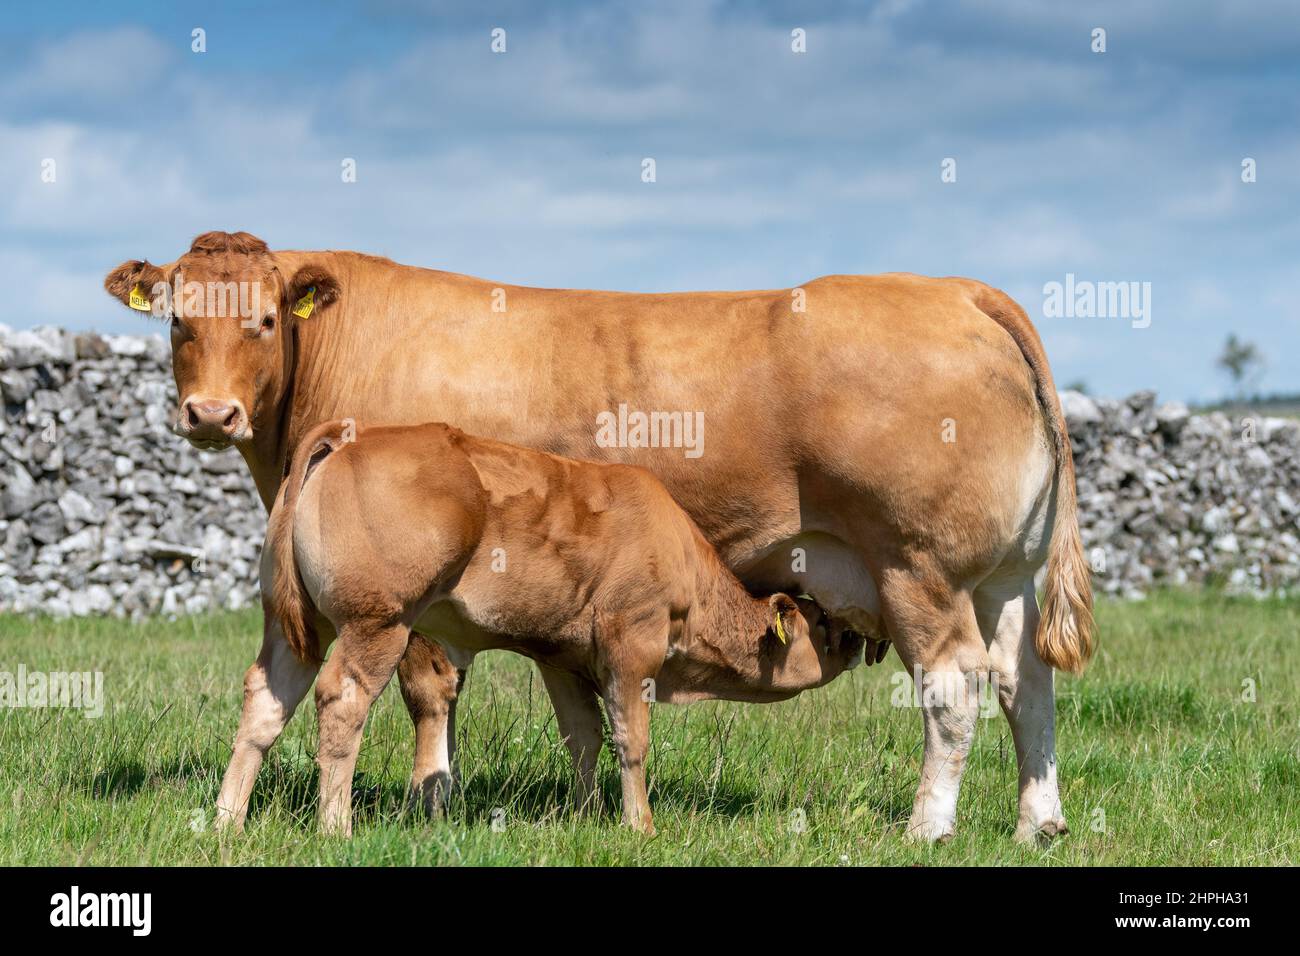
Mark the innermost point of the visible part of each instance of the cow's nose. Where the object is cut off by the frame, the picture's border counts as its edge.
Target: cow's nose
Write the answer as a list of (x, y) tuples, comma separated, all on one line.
[(212, 420)]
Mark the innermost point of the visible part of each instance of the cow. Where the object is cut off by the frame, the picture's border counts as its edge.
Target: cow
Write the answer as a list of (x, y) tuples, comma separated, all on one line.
[(590, 568), (891, 445)]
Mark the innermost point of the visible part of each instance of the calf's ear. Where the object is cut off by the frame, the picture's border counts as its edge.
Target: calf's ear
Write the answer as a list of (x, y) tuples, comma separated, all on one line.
[(312, 289), (139, 285), (788, 625)]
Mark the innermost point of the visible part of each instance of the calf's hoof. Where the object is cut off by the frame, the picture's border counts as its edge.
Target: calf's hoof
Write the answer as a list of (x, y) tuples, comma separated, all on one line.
[(227, 823), (644, 825), (332, 827)]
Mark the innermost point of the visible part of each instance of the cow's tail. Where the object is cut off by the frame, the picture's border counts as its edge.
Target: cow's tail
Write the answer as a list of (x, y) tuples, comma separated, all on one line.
[(1066, 627), (290, 603)]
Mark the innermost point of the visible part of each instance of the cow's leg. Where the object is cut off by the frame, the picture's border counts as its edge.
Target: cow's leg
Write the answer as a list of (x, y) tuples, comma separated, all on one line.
[(1008, 617), (577, 714), (351, 680), (430, 684), (273, 686), (934, 629)]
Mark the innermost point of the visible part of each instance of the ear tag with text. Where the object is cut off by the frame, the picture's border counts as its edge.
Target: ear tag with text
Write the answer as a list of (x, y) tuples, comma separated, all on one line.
[(302, 308), (139, 301), (780, 628)]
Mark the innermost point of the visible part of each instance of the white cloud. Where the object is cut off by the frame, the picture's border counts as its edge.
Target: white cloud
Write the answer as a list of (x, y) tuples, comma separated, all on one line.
[(772, 167), (120, 66)]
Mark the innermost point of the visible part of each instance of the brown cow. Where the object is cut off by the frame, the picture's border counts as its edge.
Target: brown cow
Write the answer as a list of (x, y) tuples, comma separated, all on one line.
[(591, 569), (891, 445)]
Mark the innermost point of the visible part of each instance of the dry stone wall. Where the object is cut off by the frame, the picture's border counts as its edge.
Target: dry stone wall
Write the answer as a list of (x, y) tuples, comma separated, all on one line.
[(104, 511)]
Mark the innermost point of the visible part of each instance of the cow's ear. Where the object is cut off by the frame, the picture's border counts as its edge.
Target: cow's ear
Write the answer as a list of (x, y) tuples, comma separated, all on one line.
[(312, 289), (138, 285)]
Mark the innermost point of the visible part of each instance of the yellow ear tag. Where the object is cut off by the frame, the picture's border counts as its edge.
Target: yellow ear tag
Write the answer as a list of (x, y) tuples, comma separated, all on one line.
[(139, 301), (780, 628), (302, 308)]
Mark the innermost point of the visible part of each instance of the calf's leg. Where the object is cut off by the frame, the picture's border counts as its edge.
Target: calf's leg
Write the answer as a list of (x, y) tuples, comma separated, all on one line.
[(629, 656), (273, 686), (354, 676), (1009, 620), (629, 719), (430, 684), (577, 714)]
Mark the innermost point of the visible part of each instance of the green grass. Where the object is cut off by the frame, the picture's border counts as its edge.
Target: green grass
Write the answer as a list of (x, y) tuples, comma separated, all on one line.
[(1161, 760)]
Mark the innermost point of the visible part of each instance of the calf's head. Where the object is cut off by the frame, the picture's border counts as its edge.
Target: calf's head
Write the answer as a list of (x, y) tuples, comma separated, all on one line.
[(231, 313), (802, 649)]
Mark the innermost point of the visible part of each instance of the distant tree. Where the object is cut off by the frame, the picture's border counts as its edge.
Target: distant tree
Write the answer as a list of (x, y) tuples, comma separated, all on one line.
[(1078, 385), (1243, 363)]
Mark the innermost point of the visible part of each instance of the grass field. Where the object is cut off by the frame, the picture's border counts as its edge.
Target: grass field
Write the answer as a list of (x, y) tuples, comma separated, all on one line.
[(1162, 761)]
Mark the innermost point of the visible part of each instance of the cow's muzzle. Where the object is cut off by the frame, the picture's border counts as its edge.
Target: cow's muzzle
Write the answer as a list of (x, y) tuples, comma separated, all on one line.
[(212, 423)]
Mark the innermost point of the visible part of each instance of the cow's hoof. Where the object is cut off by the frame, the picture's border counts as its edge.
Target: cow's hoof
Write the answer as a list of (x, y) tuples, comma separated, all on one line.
[(930, 831), (423, 806), (1041, 834), (429, 796)]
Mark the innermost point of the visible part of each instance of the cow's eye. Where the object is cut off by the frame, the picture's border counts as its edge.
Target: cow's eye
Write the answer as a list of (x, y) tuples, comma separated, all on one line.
[(268, 324)]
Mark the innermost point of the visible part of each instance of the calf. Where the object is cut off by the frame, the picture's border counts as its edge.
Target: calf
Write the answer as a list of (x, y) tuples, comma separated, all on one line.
[(590, 569)]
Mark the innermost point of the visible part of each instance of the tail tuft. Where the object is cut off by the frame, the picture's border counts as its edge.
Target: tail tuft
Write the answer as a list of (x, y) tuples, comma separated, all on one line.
[(1066, 627)]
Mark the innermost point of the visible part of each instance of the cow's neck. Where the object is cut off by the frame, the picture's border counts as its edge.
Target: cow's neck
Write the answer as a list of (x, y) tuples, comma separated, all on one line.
[(268, 454), (266, 488)]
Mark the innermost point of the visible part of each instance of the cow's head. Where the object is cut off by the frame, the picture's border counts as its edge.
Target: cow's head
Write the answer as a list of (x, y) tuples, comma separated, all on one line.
[(231, 312)]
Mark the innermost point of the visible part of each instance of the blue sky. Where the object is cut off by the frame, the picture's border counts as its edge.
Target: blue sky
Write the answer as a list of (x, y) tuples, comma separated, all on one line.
[(772, 167)]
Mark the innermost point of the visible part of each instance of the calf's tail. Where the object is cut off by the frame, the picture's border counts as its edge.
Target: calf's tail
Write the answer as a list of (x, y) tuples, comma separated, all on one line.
[(290, 604)]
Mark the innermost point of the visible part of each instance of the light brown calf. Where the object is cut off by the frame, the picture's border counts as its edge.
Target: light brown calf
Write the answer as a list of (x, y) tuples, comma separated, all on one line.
[(590, 569)]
